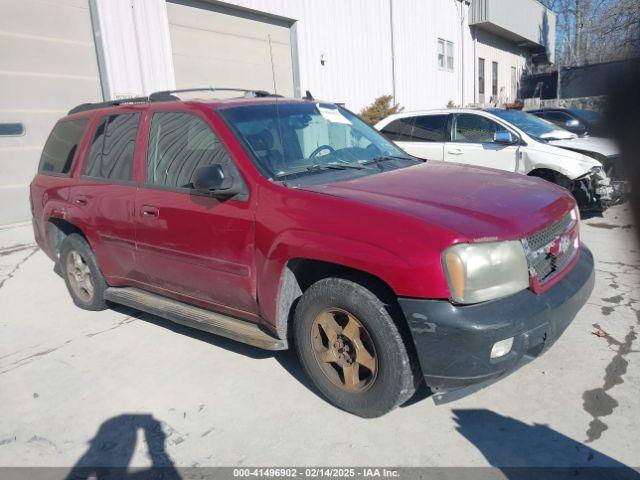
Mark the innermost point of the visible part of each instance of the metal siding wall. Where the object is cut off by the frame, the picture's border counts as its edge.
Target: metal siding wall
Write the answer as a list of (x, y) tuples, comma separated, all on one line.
[(136, 46), (418, 26), (354, 36)]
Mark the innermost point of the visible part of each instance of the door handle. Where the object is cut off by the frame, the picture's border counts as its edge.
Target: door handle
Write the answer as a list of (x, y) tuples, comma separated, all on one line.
[(82, 201), (455, 151), (148, 211)]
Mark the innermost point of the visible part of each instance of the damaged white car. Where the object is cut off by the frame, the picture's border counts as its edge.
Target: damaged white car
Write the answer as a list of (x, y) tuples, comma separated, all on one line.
[(504, 139)]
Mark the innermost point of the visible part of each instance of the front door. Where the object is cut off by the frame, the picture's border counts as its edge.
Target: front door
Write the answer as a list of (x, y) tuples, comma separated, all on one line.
[(472, 142), (193, 246)]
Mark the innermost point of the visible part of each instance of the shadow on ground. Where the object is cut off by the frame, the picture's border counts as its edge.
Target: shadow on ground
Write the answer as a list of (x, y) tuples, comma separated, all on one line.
[(113, 446), (535, 451)]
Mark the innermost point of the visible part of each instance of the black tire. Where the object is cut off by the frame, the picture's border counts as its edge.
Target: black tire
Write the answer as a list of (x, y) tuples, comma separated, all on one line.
[(396, 373), (72, 245)]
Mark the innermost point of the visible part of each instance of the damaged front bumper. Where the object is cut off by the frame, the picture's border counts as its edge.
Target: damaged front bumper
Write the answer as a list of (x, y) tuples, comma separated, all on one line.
[(455, 343), (594, 189)]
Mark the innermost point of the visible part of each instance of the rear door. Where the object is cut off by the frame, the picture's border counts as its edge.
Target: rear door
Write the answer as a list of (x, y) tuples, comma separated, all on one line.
[(428, 136), (472, 142), (193, 246), (104, 194)]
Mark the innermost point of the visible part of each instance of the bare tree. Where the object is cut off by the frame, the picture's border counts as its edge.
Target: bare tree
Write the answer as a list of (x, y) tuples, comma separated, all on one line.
[(590, 31)]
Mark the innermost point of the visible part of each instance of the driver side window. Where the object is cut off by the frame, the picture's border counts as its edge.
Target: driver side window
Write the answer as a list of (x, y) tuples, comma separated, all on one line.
[(179, 143), (470, 128)]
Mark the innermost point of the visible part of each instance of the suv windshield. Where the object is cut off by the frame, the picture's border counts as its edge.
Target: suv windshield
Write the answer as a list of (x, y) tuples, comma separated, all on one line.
[(533, 126), (301, 141)]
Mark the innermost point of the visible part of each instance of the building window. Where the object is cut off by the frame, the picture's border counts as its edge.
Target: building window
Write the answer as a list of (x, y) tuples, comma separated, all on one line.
[(494, 79), (445, 55), (481, 76), (514, 83)]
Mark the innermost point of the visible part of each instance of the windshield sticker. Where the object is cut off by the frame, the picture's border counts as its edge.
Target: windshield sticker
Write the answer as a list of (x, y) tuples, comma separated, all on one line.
[(331, 113)]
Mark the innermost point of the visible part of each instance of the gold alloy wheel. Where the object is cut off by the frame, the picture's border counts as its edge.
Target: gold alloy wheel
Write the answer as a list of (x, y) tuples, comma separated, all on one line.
[(344, 350), (79, 276)]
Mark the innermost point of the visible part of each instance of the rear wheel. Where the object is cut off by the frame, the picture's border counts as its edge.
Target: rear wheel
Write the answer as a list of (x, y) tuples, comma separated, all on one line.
[(81, 273), (350, 345)]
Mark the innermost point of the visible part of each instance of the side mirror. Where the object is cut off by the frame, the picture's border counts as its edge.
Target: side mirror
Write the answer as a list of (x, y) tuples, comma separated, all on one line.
[(505, 137), (573, 123), (215, 180)]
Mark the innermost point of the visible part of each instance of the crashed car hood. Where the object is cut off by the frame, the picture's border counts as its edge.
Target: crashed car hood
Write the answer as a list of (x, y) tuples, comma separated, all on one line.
[(603, 146), (476, 203)]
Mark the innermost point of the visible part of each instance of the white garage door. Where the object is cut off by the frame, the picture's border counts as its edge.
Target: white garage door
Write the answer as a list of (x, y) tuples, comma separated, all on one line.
[(47, 66), (213, 46)]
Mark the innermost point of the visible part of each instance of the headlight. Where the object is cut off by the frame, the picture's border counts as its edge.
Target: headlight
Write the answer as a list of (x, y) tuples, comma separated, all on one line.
[(485, 271)]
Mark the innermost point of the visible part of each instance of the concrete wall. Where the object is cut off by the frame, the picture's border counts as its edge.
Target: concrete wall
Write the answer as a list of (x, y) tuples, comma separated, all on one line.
[(47, 65), (496, 49), (527, 19)]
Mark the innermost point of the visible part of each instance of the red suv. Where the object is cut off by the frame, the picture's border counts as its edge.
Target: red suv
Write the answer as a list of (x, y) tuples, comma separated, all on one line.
[(280, 222)]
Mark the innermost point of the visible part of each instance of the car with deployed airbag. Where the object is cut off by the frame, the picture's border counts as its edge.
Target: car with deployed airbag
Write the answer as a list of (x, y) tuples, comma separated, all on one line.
[(292, 223)]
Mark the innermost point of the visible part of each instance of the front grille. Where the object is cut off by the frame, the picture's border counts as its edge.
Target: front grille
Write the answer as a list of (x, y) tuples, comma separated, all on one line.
[(545, 256)]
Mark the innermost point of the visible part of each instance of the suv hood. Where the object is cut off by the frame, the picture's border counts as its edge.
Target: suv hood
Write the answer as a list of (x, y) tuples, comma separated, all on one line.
[(478, 204), (602, 146)]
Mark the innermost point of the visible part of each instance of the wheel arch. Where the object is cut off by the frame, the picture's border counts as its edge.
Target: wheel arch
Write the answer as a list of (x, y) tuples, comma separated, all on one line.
[(551, 175), (57, 230), (298, 274)]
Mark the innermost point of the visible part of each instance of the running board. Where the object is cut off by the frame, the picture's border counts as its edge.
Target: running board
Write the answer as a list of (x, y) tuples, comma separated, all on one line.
[(195, 317)]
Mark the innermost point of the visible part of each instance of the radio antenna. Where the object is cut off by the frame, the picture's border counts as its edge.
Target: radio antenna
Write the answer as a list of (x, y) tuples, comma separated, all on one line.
[(273, 69)]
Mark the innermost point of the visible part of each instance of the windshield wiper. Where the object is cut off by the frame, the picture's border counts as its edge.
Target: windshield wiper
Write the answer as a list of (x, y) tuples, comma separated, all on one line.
[(319, 167), (333, 166), (385, 158)]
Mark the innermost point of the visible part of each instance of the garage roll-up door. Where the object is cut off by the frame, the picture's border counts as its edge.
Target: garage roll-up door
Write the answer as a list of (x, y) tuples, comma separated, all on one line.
[(47, 66), (215, 46)]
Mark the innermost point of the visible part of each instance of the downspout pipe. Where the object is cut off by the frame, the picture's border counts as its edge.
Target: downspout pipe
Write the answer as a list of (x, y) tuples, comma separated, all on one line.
[(393, 53)]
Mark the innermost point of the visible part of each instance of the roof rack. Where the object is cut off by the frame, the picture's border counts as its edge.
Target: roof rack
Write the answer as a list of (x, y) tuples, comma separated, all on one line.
[(112, 103), (168, 96)]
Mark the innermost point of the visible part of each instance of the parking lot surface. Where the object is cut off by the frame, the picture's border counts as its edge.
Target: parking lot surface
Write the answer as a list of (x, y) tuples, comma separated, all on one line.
[(78, 386)]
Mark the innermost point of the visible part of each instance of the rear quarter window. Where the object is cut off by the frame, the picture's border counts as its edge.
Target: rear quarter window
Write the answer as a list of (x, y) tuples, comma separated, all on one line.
[(61, 146), (398, 130)]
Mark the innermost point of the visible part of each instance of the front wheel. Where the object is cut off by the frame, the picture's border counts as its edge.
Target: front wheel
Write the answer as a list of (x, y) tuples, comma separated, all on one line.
[(350, 345)]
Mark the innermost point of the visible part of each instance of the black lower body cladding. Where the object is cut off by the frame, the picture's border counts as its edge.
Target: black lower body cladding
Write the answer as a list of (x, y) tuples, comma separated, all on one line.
[(454, 343)]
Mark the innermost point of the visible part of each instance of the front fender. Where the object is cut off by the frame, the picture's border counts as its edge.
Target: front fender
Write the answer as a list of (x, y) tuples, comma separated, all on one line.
[(358, 255), (572, 165)]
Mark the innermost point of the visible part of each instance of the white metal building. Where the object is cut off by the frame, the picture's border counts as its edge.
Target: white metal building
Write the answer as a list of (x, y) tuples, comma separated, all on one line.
[(55, 54)]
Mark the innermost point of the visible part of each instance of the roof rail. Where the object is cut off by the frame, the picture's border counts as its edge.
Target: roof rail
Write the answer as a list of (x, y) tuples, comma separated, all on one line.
[(168, 96), (111, 103), (160, 96)]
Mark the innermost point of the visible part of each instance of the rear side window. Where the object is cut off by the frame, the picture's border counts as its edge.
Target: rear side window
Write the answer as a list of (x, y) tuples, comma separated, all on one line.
[(179, 143), (430, 128), (61, 147), (112, 148), (398, 130)]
